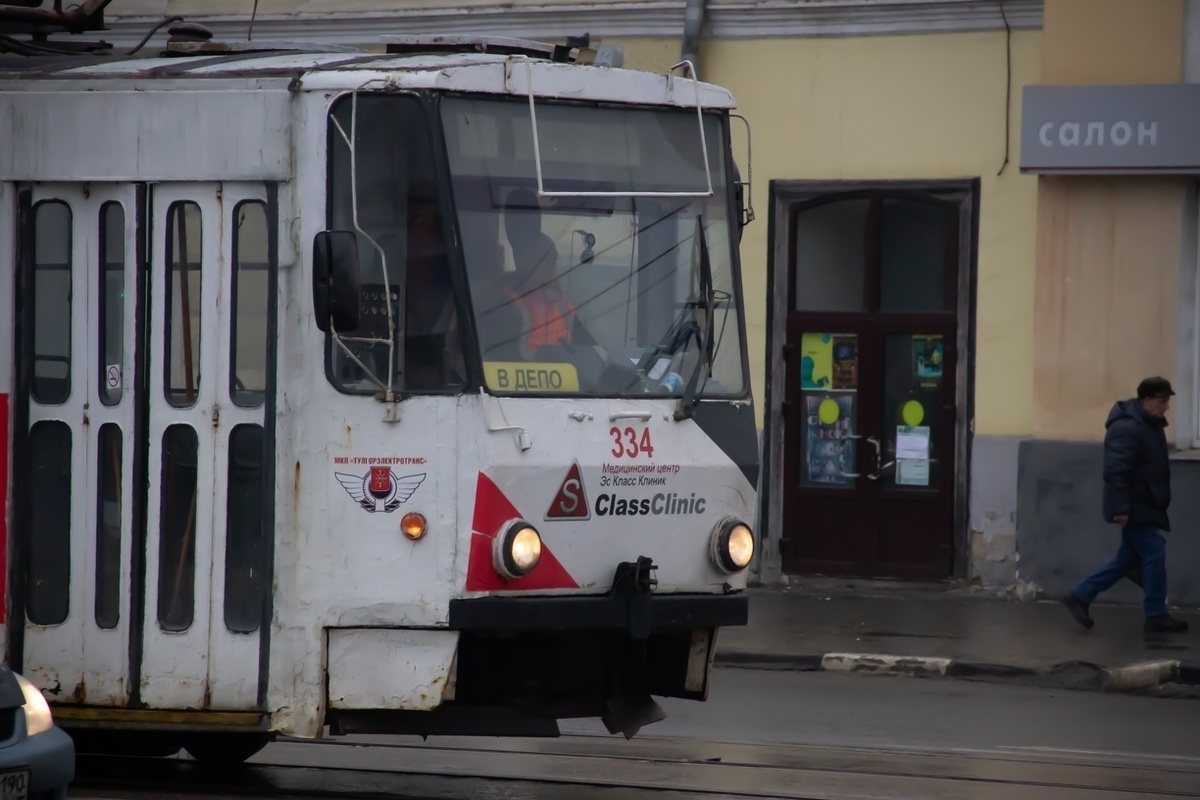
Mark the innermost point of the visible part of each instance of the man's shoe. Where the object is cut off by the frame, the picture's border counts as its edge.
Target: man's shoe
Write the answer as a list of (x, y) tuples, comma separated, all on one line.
[(1165, 623), (1079, 610)]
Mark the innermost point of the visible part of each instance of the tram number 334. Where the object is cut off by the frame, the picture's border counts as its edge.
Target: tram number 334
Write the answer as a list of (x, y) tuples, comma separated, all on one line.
[(14, 785), (627, 443)]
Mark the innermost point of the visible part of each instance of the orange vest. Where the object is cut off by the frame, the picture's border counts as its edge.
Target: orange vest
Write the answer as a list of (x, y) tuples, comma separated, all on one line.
[(549, 322)]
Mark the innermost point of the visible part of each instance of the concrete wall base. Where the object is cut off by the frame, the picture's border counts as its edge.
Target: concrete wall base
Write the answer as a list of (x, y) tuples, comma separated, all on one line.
[(1061, 537)]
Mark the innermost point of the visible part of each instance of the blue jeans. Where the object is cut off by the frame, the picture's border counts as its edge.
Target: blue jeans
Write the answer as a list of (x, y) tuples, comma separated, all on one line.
[(1141, 544)]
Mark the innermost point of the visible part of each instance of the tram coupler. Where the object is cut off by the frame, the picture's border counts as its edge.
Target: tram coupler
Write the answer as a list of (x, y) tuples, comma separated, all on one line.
[(634, 582)]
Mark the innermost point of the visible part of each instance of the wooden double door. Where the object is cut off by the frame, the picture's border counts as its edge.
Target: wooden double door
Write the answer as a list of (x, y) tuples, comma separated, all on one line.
[(871, 399)]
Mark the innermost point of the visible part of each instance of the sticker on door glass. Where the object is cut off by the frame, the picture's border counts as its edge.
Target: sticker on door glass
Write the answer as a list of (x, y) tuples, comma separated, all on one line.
[(845, 362), (830, 419), (927, 361), (816, 361), (829, 361), (912, 412)]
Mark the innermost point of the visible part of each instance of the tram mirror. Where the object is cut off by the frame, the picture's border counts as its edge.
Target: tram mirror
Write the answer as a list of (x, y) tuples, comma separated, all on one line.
[(739, 201), (335, 280)]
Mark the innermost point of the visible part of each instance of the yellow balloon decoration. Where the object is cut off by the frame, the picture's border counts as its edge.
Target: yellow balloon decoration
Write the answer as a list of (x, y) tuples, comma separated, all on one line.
[(913, 413), (829, 411)]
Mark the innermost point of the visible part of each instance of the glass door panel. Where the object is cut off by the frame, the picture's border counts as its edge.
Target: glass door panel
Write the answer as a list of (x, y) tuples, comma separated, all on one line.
[(829, 410), (914, 372)]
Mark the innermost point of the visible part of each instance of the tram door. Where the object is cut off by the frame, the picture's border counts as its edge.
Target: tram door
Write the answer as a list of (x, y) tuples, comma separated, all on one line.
[(147, 490), (77, 292)]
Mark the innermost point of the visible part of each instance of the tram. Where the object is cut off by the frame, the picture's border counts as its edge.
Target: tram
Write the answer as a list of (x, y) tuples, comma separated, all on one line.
[(360, 392)]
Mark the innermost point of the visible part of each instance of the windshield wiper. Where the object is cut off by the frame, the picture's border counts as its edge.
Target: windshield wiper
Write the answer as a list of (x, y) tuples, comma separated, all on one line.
[(687, 403)]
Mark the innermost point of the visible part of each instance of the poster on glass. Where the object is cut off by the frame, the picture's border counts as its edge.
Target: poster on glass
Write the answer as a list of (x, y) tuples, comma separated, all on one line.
[(829, 420)]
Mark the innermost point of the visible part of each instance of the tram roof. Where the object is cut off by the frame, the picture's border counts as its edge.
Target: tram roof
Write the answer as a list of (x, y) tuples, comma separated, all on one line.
[(345, 70)]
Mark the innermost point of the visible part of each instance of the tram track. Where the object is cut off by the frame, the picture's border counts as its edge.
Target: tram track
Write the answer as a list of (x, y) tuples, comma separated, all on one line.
[(589, 766)]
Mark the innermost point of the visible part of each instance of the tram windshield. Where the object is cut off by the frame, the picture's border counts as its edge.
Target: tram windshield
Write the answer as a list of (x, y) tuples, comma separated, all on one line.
[(605, 295)]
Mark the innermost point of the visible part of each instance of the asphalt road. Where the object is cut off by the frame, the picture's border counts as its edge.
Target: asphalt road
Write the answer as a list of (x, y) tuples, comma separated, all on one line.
[(762, 734)]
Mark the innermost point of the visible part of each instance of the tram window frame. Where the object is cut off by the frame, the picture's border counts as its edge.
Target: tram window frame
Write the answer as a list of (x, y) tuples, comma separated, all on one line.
[(111, 325), (51, 470), (432, 361), (245, 530), (49, 321), (243, 395), (189, 344)]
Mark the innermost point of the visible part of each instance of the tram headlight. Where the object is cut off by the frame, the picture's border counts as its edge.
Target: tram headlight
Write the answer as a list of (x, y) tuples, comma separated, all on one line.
[(37, 710), (518, 549), (732, 546)]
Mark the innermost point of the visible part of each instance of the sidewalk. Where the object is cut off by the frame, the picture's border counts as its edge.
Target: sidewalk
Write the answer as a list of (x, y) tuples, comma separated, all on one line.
[(938, 633)]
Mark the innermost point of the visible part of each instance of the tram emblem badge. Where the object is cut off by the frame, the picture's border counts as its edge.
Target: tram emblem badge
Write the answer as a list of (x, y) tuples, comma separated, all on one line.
[(380, 489)]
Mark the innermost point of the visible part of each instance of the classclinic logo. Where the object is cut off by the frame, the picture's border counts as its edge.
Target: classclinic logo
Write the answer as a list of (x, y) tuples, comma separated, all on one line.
[(571, 500)]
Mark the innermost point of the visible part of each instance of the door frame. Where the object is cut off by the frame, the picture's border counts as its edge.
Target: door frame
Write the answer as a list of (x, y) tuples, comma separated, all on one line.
[(139, 260), (784, 195)]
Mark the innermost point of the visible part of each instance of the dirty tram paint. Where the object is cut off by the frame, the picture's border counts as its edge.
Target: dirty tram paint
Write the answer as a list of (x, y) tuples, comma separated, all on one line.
[(401, 393)]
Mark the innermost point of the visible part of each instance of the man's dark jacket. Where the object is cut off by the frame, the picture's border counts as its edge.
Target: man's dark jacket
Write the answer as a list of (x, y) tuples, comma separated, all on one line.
[(1137, 472)]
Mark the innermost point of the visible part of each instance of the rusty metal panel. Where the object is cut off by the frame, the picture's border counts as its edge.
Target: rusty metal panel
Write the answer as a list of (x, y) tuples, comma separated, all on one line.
[(401, 670)]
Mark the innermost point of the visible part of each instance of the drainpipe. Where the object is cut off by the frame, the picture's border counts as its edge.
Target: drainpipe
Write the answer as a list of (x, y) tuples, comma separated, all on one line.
[(693, 23)]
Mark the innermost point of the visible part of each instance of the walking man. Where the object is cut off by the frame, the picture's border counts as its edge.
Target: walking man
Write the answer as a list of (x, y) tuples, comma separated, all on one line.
[(1137, 491)]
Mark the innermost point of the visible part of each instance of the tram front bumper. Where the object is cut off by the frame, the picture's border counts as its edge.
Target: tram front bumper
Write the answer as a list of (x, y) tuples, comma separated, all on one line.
[(630, 605), (598, 655), (598, 612)]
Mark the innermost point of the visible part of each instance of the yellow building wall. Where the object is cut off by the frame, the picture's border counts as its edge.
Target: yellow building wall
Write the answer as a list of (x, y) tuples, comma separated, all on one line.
[(885, 108), (1112, 41), (1108, 248), (1108, 296)]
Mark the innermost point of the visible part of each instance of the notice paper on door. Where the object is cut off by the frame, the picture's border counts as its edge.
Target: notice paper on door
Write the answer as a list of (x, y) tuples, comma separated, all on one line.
[(912, 442), (912, 472)]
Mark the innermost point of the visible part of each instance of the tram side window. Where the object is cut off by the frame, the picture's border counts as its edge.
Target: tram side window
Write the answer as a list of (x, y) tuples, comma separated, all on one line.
[(112, 302), (183, 328), (108, 527), (398, 209), (244, 530), (251, 270), (51, 303), (177, 528), (49, 588)]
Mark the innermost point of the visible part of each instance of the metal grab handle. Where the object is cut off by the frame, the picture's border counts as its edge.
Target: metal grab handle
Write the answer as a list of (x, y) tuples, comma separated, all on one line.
[(878, 458)]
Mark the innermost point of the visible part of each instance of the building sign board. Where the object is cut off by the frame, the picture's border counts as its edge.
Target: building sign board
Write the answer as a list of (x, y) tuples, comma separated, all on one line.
[(1148, 129)]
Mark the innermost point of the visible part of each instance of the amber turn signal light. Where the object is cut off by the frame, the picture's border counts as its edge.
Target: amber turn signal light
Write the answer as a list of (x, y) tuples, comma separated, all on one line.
[(413, 526)]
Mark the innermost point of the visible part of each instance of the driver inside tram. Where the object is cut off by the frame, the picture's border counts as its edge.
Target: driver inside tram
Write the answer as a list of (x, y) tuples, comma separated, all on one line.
[(543, 323)]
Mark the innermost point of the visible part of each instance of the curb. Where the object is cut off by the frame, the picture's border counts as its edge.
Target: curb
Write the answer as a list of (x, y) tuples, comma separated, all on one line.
[(1139, 676), (1161, 678)]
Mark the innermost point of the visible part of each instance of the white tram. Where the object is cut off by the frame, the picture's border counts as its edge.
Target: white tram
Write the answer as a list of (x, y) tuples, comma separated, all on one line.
[(351, 392)]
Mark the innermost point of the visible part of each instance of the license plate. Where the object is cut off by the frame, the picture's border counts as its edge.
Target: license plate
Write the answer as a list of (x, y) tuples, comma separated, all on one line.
[(14, 784)]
